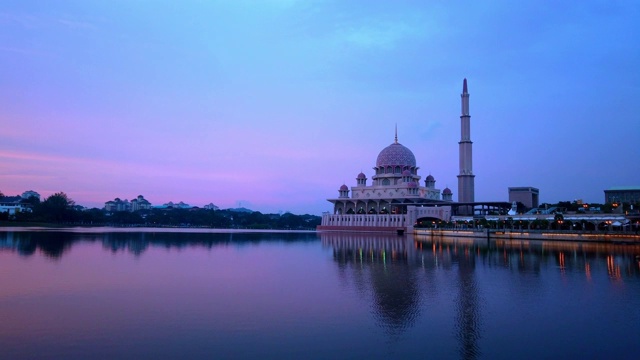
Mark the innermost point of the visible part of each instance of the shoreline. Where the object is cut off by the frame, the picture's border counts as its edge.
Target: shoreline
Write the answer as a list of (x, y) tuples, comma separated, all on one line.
[(537, 235)]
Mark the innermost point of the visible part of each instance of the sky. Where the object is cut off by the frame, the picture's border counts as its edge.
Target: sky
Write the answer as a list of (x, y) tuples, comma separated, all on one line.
[(273, 104)]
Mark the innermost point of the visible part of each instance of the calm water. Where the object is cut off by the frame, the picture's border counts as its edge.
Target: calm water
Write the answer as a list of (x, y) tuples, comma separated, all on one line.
[(106, 295)]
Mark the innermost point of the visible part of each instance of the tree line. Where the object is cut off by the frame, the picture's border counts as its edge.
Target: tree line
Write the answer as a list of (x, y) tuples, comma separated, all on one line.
[(60, 209)]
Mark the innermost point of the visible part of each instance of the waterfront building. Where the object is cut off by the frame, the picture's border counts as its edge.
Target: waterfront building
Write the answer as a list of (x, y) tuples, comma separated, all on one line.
[(12, 204), (395, 198), (117, 205), (527, 195), (622, 194), (393, 201), (180, 205), (140, 203), (394, 186), (211, 206)]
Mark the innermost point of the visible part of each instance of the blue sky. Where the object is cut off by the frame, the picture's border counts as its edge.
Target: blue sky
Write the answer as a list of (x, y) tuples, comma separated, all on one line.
[(276, 104)]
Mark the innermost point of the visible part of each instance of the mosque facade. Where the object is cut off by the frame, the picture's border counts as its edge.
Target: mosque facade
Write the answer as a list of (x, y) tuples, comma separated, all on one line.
[(394, 199)]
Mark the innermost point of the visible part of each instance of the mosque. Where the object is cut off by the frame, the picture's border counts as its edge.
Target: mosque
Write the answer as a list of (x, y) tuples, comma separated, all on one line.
[(395, 200)]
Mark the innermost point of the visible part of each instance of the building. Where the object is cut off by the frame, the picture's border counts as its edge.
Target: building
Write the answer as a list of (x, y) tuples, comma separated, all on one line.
[(117, 205), (172, 205), (527, 195), (140, 203), (395, 200), (622, 194), (211, 206), (12, 204), (466, 187)]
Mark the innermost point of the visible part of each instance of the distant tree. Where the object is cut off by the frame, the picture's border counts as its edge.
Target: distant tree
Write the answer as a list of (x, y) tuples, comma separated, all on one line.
[(93, 216), (31, 201), (126, 218), (57, 207)]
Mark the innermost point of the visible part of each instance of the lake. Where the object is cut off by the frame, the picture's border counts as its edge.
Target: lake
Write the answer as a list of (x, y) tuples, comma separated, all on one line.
[(103, 293)]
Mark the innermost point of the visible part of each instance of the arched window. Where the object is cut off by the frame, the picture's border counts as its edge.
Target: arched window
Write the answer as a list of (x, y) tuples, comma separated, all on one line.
[(398, 171), (386, 182)]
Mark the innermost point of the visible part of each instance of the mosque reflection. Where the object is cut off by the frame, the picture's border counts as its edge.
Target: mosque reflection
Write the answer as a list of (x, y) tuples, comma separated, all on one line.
[(393, 270)]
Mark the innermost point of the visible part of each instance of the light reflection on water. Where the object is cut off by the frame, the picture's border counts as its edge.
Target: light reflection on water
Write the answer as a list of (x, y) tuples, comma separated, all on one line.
[(210, 294)]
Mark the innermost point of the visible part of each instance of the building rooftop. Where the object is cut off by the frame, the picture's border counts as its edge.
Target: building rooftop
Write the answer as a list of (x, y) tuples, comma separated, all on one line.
[(624, 188)]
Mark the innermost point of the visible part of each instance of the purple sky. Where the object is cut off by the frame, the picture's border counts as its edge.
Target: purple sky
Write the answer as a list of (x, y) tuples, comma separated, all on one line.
[(277, 103)]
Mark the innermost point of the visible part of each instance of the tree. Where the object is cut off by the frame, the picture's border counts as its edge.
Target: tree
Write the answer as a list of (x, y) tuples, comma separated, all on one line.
[(57, 207), (31, 201)]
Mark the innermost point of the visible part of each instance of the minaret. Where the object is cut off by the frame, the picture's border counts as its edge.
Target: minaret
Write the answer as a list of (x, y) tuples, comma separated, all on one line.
[(465, 179)]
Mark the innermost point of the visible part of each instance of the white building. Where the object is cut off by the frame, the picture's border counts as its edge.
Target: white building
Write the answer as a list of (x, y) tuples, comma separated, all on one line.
[(395, 199), (140, 203), (211, 206), (12, 205)]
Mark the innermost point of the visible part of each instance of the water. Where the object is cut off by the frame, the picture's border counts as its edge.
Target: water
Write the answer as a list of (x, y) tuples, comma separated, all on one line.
[(158, 294)]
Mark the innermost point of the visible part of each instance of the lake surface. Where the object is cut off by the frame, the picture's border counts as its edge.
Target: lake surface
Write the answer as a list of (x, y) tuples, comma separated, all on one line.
[(163, 294)]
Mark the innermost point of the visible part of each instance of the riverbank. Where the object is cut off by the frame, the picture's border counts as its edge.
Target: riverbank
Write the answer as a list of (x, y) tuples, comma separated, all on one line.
[(542, 235)]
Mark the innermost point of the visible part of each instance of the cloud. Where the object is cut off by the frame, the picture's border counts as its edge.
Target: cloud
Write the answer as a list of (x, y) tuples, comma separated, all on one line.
[(72, 24), (30, 21), (24, 20), (379, 35), (23, 51)]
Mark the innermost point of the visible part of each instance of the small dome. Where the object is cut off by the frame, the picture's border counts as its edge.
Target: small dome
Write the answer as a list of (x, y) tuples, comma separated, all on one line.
[(396, 155), (446, 191), (406, 173), (361, 176), (343, 187), (412, 185), (430, 178)]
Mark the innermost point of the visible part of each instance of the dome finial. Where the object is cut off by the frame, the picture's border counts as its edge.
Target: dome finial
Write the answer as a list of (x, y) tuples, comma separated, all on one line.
[(396, 133)]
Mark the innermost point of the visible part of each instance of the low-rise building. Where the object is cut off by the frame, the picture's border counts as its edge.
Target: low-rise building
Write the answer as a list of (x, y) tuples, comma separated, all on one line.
[(210, 206), (527, 195), (622, 194), (12, 204)]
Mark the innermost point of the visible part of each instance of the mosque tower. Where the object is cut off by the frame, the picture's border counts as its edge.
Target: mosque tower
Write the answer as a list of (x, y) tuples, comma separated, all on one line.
[(465, 179)]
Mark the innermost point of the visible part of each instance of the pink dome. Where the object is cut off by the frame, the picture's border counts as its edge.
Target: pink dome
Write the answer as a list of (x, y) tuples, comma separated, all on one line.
[(412, 185), (361, 176), (446, 191), (343, 187), (430, 178), (396, 155), (406, 173)]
